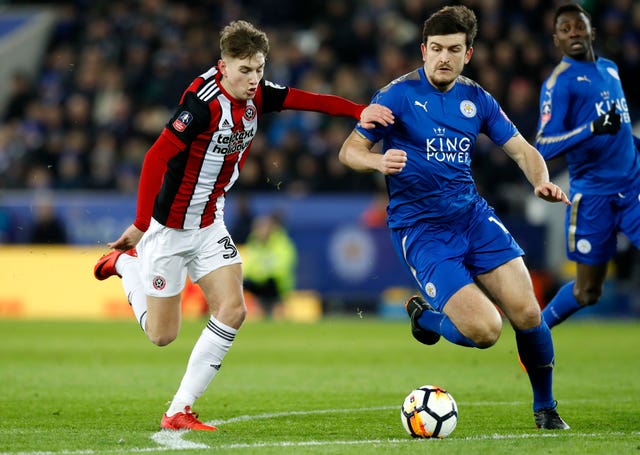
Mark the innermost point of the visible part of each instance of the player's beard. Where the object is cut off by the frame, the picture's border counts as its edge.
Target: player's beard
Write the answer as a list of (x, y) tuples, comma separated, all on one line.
[(442, 80), (442, 83)]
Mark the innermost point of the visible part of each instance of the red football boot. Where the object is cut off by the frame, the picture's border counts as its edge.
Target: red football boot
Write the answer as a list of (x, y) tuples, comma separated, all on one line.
[(106, 265), (187, 420)]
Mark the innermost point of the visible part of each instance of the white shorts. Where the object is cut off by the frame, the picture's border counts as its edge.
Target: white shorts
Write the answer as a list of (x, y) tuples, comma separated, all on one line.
[(167, 255)]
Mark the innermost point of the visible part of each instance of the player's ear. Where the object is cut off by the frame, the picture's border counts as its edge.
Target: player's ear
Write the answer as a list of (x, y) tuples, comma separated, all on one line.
[(593, 34), (222, 66), (468, 55), (423, 50), (556, 41)]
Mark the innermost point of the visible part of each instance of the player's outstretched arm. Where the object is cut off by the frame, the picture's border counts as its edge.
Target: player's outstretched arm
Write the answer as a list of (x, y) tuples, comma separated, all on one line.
[(560, 141), (535, 169), (368, 116), (356, 153), (129, 238)]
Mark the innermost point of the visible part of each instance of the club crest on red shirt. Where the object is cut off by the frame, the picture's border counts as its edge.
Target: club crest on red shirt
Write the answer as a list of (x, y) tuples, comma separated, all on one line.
[(249, 113)]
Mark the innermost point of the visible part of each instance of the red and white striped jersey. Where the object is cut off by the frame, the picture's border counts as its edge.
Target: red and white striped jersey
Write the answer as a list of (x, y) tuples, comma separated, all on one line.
[(199, 154)]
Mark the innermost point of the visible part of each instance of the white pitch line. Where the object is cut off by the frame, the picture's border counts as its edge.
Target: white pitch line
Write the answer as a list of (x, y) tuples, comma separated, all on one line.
[(273, 415), (172, 440), (417, 441), (314, 443)]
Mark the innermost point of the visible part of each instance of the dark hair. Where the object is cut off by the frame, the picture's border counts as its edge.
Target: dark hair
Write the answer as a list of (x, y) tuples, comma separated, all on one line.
[(240, 39), (569, 8), (450, 20)]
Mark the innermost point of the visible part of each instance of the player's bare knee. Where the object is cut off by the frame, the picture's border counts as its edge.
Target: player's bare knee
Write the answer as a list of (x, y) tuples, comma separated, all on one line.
[(528, 318), (161, 339), (588, 295), (232, 314), (486, 335), (237, 318), (488, 339)]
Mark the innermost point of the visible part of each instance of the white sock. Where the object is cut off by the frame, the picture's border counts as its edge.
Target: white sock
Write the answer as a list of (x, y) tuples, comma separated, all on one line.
[(129, 269), (204, 363)]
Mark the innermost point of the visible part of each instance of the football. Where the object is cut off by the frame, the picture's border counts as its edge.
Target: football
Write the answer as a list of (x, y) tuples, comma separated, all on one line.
[(429, 412)]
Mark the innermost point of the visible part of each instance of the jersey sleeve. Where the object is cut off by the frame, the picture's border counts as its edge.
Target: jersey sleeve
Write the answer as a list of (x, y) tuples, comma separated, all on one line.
[(496, 124), (272, 96), (553, 137), (154, 167), (384, 98), (276, 97), (327, 104), (190, 119)]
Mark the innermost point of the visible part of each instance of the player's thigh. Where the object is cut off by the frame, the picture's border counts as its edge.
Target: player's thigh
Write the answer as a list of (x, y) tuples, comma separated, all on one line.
[(591, 229), (223, 290), (474, 314), (213, 249), (510, 287), (490, 244), (163, 253), (217, 269), (163, 319), (435, 260)]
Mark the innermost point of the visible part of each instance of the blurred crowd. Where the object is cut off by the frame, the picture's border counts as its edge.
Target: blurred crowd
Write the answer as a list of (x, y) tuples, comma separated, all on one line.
[(114, 71)]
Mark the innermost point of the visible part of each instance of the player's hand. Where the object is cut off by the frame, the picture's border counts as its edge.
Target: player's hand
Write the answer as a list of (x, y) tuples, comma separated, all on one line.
[(393, 161), (129, 238), (551, 193), (376, 114), (607, 123)]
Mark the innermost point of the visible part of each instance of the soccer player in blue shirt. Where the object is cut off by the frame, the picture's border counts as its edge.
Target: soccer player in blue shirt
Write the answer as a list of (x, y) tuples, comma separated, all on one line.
[(584, 115), (459, 252)]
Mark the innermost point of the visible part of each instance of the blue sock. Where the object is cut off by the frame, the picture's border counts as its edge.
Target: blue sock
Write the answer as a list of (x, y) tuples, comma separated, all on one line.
[(535, 348), (440, 323), (563, 305)]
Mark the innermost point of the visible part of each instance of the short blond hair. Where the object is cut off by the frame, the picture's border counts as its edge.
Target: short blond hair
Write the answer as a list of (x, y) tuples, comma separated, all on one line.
[(240, 39)]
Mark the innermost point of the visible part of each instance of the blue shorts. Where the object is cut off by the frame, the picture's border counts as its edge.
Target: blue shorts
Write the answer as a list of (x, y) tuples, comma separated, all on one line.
[(592, 224), (444, 258)]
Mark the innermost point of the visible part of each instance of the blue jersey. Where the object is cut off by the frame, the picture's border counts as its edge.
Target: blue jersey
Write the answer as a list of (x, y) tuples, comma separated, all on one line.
[(438, 132), (574, 95)]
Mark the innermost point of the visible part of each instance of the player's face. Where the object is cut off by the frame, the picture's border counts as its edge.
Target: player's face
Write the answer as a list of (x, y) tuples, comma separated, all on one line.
[(444, 58), (241, 76), (574, 35)]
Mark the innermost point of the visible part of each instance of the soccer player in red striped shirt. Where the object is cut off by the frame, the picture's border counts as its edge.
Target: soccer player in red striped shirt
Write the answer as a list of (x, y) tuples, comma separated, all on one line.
[(179, 227)]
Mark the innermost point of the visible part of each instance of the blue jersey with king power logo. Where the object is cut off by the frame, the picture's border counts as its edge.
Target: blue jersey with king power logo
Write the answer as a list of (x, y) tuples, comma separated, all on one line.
[(438, 131), (575, 94)]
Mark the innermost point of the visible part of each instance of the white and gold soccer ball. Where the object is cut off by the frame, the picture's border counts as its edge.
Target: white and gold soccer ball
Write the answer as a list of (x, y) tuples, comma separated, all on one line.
[(429, 412)]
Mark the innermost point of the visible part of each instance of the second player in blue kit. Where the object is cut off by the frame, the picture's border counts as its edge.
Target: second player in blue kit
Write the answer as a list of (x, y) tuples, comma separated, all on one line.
[(585, 117)]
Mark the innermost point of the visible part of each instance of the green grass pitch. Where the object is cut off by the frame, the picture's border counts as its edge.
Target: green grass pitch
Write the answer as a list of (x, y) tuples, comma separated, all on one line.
[(333, 387)]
